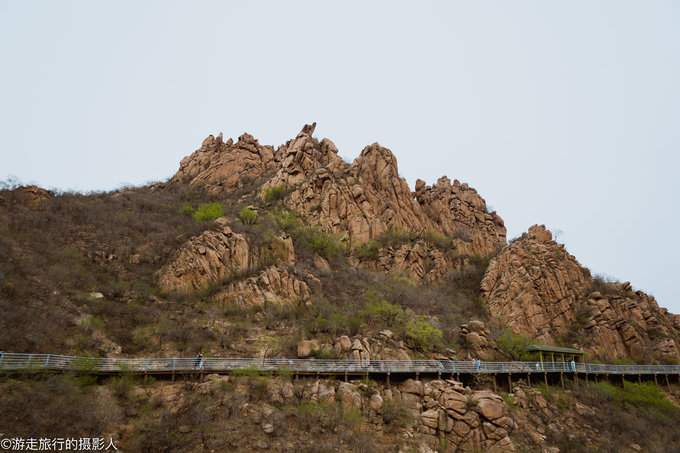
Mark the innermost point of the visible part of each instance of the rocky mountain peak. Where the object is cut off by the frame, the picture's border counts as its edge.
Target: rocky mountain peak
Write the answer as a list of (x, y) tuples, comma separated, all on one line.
[(538, 289), (359, 200), (541, 234)]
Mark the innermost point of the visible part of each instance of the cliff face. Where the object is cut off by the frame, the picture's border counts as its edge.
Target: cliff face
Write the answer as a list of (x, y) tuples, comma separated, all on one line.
[(540, 290)]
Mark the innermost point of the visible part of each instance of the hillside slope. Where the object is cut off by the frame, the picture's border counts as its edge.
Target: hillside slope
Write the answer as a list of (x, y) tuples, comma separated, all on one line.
[(252, 250)]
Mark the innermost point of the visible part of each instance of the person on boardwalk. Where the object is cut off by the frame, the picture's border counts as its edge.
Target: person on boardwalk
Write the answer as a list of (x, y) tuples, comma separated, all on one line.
[(479, 365), (573, 365), (201, 362), (197, 360)]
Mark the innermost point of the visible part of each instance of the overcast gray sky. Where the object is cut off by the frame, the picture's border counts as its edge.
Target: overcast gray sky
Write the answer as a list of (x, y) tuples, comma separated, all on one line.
[(563, 113)]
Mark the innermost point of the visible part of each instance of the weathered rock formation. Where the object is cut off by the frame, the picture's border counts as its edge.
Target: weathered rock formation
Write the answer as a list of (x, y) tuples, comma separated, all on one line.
[(461, 214), (421, 261), (476, 341), (477, 420), (209, 257), (469, 421), (360, 349), (220, 166), (218, 254), (358, 200), (363, 199), (539, 290), (272, 285)]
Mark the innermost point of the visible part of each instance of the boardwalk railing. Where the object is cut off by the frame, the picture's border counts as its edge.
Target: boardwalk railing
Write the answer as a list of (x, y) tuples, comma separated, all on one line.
[(29, 362)]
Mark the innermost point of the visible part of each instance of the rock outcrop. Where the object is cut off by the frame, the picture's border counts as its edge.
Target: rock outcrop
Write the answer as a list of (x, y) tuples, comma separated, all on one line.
[(220, 166), (272, 285), (365, 198), (468, 420), (461, 213), (421, 261), (477, 420), (358, 200), (30, 196), (209, 257), (538, 289), (476, 341)]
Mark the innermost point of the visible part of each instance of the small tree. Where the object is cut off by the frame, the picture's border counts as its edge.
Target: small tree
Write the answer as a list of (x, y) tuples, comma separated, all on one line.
[(248, 216), (514, 344), (378, 308), (422, 335)]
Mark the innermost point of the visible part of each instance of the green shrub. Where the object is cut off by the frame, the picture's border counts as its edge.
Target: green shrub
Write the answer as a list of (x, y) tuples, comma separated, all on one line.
[(339, 324), (514, 345), (325, 245), (327, 415), (396, 237), (248, 216), (123, 386), (278, 192), (422, 335), (311, 238), (441, 242), (645, 397), (273, 251), (367, 251), (208, 211), (379, 309), (326, 354), (186, 209), (509, 399)]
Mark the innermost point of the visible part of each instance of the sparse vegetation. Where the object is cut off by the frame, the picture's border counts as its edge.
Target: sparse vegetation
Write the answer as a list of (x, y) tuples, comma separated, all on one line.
[(248, 216), (207, 211), (422, 335), (514, 344), (54, 262), (274, 193)]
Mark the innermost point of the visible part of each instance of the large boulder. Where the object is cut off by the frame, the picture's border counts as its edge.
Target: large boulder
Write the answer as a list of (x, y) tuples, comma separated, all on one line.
[(305, 348)]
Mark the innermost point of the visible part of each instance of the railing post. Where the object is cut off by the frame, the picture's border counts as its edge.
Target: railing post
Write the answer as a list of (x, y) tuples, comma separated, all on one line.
[(30, 358), (47, 361)]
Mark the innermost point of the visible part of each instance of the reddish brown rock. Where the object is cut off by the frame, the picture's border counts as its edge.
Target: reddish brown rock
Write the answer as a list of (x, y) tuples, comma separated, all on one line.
[(220, 166), (273, 285), (538, 289), (358, 201), (208, 257), (461, 214)]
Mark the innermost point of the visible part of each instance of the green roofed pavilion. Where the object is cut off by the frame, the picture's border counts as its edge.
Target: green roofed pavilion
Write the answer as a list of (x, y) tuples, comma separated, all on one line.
[(549, 352)]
